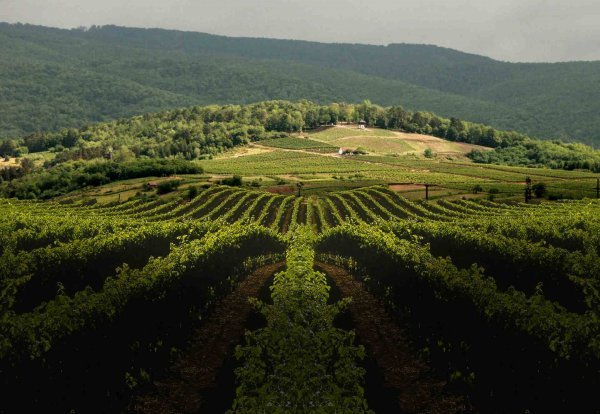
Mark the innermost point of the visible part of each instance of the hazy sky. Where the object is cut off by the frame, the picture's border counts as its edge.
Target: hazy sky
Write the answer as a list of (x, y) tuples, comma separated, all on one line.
[(515, 30)]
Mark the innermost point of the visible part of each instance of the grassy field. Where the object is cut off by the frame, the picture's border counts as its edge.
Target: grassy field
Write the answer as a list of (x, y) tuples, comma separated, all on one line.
[(297, 143), (386, 142), (12, 162), (38, 159), (331, 134), (313, 159)]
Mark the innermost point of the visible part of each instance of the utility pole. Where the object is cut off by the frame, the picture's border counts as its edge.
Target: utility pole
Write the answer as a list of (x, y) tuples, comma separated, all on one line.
[(427, 192), (299, 185)]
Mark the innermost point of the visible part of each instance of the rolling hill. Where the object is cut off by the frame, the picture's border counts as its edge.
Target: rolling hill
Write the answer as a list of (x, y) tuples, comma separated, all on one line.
[(53, 78)]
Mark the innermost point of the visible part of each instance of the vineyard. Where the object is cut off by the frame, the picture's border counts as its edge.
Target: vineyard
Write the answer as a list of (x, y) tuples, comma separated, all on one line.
[(349, 301)]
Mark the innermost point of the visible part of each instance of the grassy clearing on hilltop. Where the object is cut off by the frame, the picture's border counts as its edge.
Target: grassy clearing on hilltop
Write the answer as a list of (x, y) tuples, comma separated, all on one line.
[(386, 142), (316, 162)]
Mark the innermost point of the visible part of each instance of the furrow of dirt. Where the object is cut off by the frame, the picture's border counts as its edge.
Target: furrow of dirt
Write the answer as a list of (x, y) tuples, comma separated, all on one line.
[(194, 375), (418, 391)]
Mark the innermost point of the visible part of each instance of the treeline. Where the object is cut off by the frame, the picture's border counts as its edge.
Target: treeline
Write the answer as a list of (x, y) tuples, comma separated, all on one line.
[(201, 131), (58, 78), (189, 133), (537, 153), (51, 182)]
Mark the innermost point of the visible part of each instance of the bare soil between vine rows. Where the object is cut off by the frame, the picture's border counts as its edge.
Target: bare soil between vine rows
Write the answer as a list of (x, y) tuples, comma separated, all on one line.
[(202, 380), (407, 378)]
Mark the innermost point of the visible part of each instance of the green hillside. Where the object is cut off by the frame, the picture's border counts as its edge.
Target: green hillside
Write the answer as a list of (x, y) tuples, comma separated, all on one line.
[(301, 140), (52, 78)]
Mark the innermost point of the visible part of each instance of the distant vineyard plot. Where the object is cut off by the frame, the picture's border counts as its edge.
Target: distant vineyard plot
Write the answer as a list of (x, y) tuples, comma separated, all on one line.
[(390, 157)]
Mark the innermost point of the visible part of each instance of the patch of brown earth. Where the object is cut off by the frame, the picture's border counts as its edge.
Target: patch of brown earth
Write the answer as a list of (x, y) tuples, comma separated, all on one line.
[(406, 187), (281, 189), (418, 390), (194, 374)]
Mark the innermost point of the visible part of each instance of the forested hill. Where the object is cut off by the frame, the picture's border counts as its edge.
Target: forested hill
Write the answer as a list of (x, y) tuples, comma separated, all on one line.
[(53, 78)]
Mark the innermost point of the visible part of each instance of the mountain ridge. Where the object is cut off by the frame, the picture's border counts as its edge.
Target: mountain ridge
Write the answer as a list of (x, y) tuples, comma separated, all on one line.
[(546, 100)]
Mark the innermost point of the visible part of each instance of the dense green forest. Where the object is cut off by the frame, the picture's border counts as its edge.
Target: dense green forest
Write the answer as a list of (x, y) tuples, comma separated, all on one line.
[(200, 132), (53, 78)]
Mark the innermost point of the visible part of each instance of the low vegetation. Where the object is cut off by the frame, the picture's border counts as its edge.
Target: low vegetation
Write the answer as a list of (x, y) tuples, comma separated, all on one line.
[(136, 278)]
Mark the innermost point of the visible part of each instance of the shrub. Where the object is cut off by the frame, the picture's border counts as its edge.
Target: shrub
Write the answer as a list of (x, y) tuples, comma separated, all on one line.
[(235, 181), (167, 186), (477, 189), (539, 189), (192, 192)]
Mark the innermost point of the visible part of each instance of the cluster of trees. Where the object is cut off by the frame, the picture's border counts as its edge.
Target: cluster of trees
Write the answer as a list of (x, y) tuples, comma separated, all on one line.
[(537, 153), (190, 133), (51, 182), (453, 129), (12, 172), (201, 131), (167, 186)]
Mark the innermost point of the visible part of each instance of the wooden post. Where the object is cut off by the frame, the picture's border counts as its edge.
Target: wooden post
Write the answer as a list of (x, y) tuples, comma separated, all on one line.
[(597, 187), (426, 192)]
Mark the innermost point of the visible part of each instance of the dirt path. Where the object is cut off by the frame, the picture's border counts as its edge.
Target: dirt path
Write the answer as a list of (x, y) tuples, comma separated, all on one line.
[(321, 154), (195, 373), (418, 391)]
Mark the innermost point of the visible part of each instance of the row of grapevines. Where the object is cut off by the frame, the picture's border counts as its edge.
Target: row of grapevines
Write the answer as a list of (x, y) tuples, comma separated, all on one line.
[(491, 339), (255, 208), (28, 231), (277, 222), (30, 277), (299, 362), (33, 332), (320, 213), (388, 204), (356, 210), (370, 203), (110, 339), (269, 208), (293, 221), (570, 278)]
